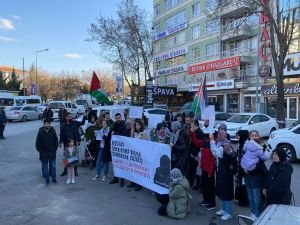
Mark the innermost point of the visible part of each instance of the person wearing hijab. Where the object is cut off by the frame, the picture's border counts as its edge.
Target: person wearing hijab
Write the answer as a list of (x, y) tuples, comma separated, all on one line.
[(160, 135), (277, 187), (222, 151), (177, 204), (240, 190)]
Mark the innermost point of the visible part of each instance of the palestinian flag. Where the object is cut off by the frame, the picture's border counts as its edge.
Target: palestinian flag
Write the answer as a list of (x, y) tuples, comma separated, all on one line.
[(199, 102), (97, 91)]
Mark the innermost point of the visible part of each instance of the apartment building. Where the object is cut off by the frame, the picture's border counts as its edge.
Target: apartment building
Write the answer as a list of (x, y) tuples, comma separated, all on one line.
[(192, 41)]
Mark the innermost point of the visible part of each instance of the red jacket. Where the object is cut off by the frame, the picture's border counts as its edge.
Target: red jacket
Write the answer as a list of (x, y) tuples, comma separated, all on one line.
[(207, 159)]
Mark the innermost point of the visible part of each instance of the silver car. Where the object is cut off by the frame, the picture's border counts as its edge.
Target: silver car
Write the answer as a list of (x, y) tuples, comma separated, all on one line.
[(23, 113)]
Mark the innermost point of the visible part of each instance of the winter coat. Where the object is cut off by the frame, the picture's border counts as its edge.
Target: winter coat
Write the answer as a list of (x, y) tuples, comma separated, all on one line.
[(119, 128), (46, 144), (48, 114), (179, 154), (224, 178), (2, 118), (68, 154), (62, 114), (278, 183), (71, 131), (179, 199), (107, 147), (253, 153)]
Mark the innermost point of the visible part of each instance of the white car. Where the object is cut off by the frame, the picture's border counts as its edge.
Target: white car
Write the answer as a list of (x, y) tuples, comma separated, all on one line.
[(287, 139), (262, 123), (154, 116)]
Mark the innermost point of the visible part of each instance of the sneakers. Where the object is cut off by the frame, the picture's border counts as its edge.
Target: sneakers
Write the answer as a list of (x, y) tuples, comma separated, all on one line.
[(73, 181), (210, 207), (252, 216), (204, 203), (68, 181), (221, 212), (226, 216), (104, 178), (96, 177)]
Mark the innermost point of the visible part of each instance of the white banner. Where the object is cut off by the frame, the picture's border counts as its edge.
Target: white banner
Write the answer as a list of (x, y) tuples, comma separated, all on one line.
[(143, 162), (292, 65), (136, 112)]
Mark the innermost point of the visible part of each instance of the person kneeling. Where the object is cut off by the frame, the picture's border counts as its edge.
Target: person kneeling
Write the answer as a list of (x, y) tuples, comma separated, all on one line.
[(177, 203)]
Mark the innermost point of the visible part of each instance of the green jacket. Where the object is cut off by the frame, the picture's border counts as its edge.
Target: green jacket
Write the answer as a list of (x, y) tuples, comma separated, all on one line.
[(179, 199)]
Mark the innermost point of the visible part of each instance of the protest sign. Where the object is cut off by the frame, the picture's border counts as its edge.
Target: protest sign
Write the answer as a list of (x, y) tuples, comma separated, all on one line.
[(135, 112), (148, 165)]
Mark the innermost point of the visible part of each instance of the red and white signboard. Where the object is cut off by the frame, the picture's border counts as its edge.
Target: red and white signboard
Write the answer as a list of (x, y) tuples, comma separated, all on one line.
[(215, 65), (214, 85)]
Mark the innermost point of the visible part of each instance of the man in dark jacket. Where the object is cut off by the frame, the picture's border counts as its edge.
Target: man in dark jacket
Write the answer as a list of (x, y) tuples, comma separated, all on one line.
[(2, 122), (70, 130), (62, 114), (46, 144), (119, 128), (48, 113)]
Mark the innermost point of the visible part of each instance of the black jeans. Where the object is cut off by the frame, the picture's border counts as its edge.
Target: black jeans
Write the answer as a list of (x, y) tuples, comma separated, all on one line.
[(164, 200), (2, 126), (209, 190)]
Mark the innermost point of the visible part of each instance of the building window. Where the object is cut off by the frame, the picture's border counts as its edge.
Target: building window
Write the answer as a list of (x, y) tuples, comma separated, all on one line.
[(157, 65), (156, 29), (175, 61), (195, 32), (196, 54), (211, 5), (196, 9), (212, 50), (212, 26), (156, 10), (233, 103), (169, 62), (172, 3), (175, 40), (176, 19), (156, 47)]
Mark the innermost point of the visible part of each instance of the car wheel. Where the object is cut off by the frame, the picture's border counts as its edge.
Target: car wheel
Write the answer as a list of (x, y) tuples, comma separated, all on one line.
[(24, 118), (273, 129), (290, 151)]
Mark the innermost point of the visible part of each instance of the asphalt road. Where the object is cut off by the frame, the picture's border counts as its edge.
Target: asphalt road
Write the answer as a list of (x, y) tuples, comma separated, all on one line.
[(25, 200)]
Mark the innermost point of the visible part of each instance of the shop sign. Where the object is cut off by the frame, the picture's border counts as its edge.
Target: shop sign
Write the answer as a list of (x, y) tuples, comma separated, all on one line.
[(171, 70), (171, 30), (164, 91), (171, 54), (215, 65), (292, 88), (292, 65), (264, 71), (215, 85), (149, 91), (264, 53)]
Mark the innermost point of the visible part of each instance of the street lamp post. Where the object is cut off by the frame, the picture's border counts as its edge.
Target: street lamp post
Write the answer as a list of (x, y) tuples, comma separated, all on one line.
[(36, 73)]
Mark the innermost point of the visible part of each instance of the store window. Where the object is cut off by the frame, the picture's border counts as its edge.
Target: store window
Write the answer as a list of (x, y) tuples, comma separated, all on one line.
[(291, 107), (249, 104), (218, 101), (233, 103), (196, 9), (195, 32)]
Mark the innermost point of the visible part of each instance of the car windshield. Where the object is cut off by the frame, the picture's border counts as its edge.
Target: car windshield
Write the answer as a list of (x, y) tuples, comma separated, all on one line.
[(239, 119), (55, 105), (15, 108)]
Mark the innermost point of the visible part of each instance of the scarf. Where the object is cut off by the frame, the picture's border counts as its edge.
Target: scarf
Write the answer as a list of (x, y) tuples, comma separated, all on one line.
[(224, 142)]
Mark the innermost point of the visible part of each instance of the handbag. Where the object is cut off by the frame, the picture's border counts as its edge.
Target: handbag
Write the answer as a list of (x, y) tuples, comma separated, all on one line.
[(72, 161)]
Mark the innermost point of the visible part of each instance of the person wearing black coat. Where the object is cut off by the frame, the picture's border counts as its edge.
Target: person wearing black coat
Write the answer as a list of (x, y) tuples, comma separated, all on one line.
[(48, 113), (240, 190), (277, 187), (46, 144), (2, 122), (70, 130), (62, 114)]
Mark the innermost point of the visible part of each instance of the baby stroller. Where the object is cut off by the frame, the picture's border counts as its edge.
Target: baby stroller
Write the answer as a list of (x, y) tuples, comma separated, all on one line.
[(90, 154)]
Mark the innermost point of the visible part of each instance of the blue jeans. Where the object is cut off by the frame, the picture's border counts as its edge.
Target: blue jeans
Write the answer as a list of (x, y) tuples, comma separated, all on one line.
[(98, 163), (254, 195), (227, 207), (46, 165)]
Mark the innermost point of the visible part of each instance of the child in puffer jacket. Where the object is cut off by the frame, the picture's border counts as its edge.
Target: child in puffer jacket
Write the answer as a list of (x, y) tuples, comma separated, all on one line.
[(253, 152)]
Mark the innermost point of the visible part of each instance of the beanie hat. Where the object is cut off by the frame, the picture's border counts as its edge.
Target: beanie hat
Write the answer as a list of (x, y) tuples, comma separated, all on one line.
[(159, 126), (176, 175), (223, 126), (281, 154)]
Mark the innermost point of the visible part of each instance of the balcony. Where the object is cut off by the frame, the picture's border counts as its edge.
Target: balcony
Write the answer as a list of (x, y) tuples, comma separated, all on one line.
[(236, 34), (235, 8), (245, 54)]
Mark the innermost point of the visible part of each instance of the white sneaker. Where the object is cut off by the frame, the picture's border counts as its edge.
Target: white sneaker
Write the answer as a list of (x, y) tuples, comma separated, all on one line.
[(104, 178), (253, 216), (68, 181), (73, 181), (221, 212), (226, 216), (96, 177)]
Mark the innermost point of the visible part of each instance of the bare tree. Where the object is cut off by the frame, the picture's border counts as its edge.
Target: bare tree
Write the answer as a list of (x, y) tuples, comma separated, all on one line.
[(283, 22), (125, 41)]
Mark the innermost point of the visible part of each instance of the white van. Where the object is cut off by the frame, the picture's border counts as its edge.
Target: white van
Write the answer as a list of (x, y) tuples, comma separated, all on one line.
[(32, 100), (83, 104), (70, 107), (7, 100)]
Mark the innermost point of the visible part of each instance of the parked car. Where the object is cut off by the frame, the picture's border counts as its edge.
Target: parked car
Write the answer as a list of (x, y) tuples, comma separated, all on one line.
[(161, 106), (42, 107), (69, 106), (287, 139), (23, 113), (263, 123), (155, 116)]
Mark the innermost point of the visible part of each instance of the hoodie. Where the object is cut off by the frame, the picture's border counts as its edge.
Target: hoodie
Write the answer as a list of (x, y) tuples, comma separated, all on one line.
[(253, 153)]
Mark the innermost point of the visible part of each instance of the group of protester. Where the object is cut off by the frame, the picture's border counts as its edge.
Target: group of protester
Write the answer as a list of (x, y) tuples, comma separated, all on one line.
[(198, 160)]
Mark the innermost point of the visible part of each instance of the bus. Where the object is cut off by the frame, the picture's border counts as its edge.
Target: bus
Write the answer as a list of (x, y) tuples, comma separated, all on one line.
[(32, 100)]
